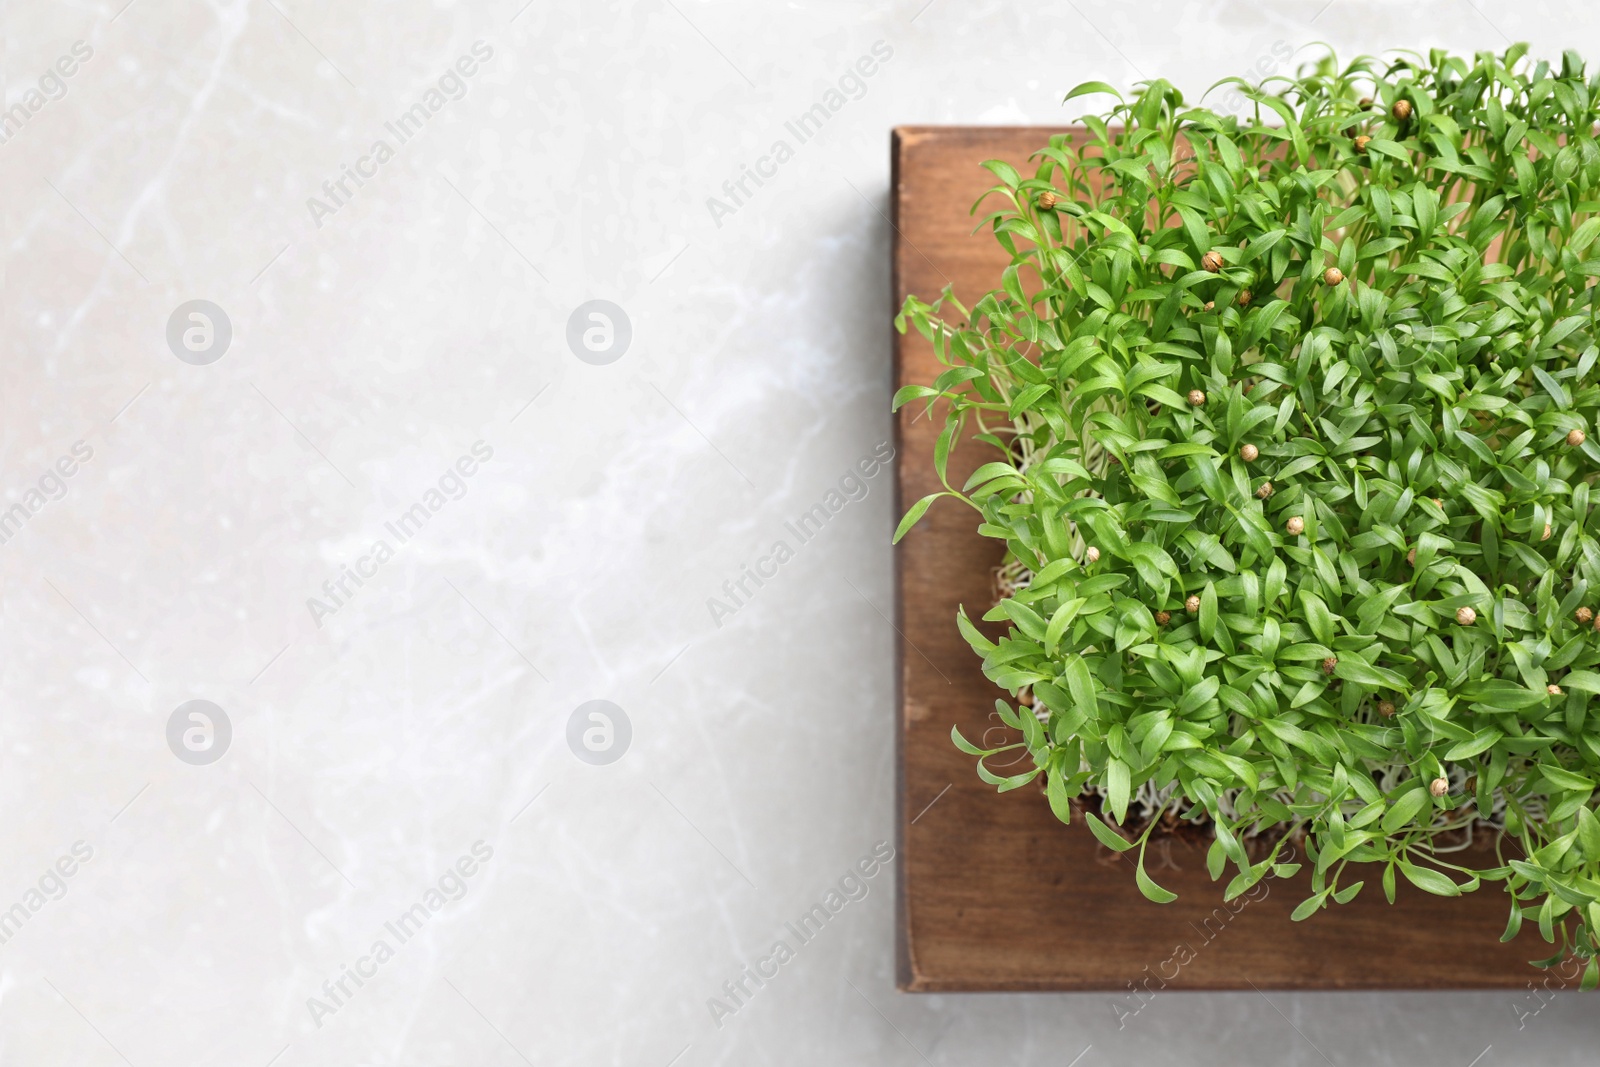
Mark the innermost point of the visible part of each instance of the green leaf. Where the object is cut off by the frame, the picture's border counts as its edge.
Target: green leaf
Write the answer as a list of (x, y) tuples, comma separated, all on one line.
[(1348, 893), (1589, 834), (1354, 670), (1064, 614), (1513, 923), (1309, 907), (1106, 835), (1404, 808), (966, 746), (989, 472), (1564, 779), (1055, 790), (1084, 88), (1004, 171), (1318, 617), (1584, 235), (1081, 684), (1117, 789), (1185, 448), (906, 394), (913, 515), (1147, 885), (1582, 681), (1480, 742), (1429, 881)]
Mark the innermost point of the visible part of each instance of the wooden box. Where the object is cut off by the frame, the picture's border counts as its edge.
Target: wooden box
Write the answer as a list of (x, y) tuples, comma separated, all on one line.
[(993, 892)]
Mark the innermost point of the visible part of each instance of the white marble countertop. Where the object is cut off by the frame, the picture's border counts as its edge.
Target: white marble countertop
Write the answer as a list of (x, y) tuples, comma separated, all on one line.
[(375, 511)]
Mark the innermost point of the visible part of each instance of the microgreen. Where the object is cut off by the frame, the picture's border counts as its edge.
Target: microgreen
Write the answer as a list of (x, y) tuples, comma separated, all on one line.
[(1291, 419)]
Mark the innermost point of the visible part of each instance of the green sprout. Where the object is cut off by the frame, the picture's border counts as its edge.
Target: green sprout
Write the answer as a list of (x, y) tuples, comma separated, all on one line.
[(1290, 419)]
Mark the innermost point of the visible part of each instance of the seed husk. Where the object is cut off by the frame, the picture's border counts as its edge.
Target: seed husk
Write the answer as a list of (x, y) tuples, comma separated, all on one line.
[(1212, 261), (1249, 452), (1466, 616), (1440, 787), (1332, 276), (1196, 397), (1265, 491), (1192, 605), (1401, 110), (1330, 664), (1093, 555), (1046, 200), (1296, 526), (1576, 438)]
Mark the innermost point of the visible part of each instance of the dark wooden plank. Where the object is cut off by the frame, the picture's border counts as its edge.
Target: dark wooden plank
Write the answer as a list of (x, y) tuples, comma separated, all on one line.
[(994, 893)]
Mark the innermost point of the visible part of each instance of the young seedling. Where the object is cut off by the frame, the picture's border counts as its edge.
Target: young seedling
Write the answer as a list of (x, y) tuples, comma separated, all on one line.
[(1394, 331)]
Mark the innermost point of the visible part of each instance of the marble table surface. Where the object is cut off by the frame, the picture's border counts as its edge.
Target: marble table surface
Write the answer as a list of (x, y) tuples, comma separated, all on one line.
[(402, 408)]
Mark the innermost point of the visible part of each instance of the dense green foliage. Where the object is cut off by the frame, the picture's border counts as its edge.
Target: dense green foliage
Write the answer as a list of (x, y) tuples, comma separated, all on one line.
[(1291, 421)]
